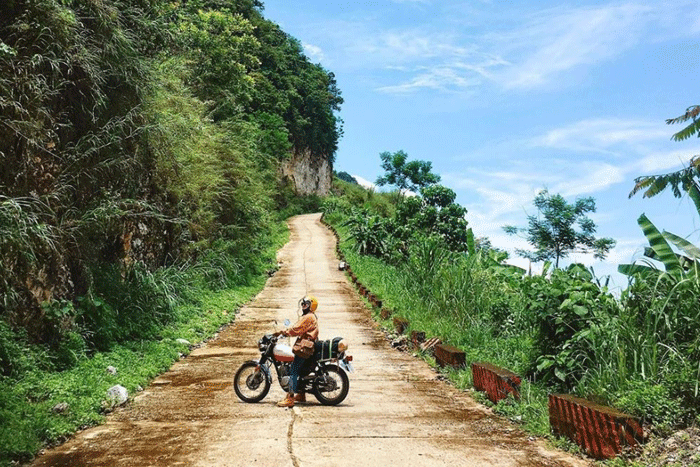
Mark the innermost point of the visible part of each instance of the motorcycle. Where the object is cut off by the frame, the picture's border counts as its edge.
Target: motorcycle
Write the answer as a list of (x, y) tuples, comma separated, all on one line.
[(325, 374)]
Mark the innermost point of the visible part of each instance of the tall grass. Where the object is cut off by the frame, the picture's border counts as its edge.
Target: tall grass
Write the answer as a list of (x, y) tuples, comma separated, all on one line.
[(451, 296), (133, 329), (563, 332), (651, 349)]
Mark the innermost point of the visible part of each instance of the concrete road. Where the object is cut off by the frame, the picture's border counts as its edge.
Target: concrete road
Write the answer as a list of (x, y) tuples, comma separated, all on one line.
[(397, 412)]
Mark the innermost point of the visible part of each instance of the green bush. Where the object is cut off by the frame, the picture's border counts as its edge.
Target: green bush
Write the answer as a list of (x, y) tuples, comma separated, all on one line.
[(15, 357), (335, 204), (652, 403), (573, 317), (293, 205), (368, 233)]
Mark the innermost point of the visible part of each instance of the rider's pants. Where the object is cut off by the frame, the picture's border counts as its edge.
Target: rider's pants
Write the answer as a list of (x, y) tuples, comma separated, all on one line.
[(294, 373)]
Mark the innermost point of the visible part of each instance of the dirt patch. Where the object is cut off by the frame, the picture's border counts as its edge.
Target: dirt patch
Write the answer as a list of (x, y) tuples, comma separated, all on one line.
[(679, 450)]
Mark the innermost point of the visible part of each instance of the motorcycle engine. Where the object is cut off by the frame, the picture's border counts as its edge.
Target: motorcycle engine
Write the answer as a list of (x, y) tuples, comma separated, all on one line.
[(284, 371)]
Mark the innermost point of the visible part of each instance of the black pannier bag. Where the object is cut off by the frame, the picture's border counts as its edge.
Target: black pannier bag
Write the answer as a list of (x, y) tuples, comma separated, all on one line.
[(327, 349)]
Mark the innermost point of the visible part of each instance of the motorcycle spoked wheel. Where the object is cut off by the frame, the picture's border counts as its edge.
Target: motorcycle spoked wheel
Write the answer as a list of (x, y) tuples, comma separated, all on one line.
[(331, 386), (251, 383)]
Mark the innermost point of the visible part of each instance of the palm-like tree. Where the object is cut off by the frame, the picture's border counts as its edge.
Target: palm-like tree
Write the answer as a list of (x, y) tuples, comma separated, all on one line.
[(685, 180)]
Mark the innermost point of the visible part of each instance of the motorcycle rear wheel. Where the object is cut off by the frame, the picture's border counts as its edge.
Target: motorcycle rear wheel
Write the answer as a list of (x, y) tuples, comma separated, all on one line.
[(331, 386), (251, 382)]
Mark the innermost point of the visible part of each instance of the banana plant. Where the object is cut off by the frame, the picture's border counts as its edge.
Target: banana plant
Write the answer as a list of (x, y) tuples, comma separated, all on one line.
[(678, 288), (676, 266)]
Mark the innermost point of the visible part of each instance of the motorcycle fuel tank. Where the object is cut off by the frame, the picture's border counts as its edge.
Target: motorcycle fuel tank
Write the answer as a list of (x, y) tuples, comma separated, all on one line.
[(283, 353)]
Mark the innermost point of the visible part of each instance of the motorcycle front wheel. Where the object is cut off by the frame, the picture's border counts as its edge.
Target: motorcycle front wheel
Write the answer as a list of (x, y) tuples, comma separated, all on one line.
[(331, 385), (251, 382)]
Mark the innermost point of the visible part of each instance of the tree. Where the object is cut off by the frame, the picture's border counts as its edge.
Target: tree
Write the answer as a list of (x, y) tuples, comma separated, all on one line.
[(687, 178), (406, 175), (226, 54), (552, 231), (346, 177), (436, 213)]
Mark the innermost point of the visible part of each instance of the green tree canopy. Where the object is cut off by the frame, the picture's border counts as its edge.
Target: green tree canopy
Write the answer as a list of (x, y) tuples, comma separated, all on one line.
[(684, 180), (436, 213), (346, 177), (248, 67), (405, 175), (553, 230)]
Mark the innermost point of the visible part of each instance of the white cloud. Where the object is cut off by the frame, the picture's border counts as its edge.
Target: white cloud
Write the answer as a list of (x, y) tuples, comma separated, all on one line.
[(658, 162), (416, 46), (505, 197), (627, 250), (560, 39), (612, 151), (526, 48), (315, 53), (616, 149), (364, 182), (439, 78), (551, 43), (591, 177), (600, 135)]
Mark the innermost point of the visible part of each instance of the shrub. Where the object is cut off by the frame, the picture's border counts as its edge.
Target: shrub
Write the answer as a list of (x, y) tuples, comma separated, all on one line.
[(15, 358), (570, 313), (335, 204), (368, 233), (652, 403)]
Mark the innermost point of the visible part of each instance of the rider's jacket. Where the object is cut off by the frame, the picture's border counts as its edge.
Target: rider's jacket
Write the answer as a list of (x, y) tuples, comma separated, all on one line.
[(307, 326)]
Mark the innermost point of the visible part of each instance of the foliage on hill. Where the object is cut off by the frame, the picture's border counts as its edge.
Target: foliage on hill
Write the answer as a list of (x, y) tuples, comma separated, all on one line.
[(142, 132), (562, 330), (140, 152)]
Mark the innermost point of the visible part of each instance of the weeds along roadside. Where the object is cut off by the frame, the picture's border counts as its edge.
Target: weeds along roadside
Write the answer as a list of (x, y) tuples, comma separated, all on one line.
[(200, 306), (563, 333), (400, 293)]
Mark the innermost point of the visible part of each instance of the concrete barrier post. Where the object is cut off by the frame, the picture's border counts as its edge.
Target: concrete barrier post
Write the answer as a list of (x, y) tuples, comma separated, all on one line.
[(447, 355), (496, 382), (602, 431)]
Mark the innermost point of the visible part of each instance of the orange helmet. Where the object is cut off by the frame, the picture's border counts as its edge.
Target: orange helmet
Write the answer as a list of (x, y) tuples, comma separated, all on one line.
[(311, 301)]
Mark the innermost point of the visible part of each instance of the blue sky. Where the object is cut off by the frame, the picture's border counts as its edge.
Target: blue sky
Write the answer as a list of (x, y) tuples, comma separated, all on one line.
[(508, 98)]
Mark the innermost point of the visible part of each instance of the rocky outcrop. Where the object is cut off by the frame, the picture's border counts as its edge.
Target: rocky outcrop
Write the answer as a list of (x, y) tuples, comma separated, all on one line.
[(309, 174), (116, 396)]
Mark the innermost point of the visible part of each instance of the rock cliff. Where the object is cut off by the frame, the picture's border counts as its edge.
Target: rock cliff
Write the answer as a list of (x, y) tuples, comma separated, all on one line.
[(310, 174)]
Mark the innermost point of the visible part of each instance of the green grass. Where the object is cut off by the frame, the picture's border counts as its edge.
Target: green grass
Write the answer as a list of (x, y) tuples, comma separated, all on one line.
[(474, 337), (495, 317), (27, 422)]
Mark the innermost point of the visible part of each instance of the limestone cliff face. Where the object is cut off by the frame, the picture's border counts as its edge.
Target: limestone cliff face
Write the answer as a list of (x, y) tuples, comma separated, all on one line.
[(310, 175)]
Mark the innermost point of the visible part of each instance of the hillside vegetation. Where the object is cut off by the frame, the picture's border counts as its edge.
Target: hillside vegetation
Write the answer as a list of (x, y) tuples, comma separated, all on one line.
[(562, 330), (140, 152)]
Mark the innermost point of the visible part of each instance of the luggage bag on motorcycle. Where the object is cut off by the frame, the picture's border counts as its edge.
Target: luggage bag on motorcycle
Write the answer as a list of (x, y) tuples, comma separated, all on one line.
[(328, 348)]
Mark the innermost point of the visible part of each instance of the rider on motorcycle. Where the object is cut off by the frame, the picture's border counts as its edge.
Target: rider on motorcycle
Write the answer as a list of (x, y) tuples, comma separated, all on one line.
[(306, 327)]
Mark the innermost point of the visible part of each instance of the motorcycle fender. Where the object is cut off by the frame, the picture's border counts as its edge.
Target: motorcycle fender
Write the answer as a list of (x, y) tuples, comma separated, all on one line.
[(347, 366), (264, 369)]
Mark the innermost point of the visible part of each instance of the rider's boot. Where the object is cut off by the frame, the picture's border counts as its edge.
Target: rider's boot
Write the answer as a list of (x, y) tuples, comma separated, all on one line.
[(287, 401), (301, 397)]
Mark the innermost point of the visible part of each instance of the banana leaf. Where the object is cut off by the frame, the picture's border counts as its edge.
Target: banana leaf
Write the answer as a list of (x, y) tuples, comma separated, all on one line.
[(634, 269), (684, 245), (660, 246), (471, 247)]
